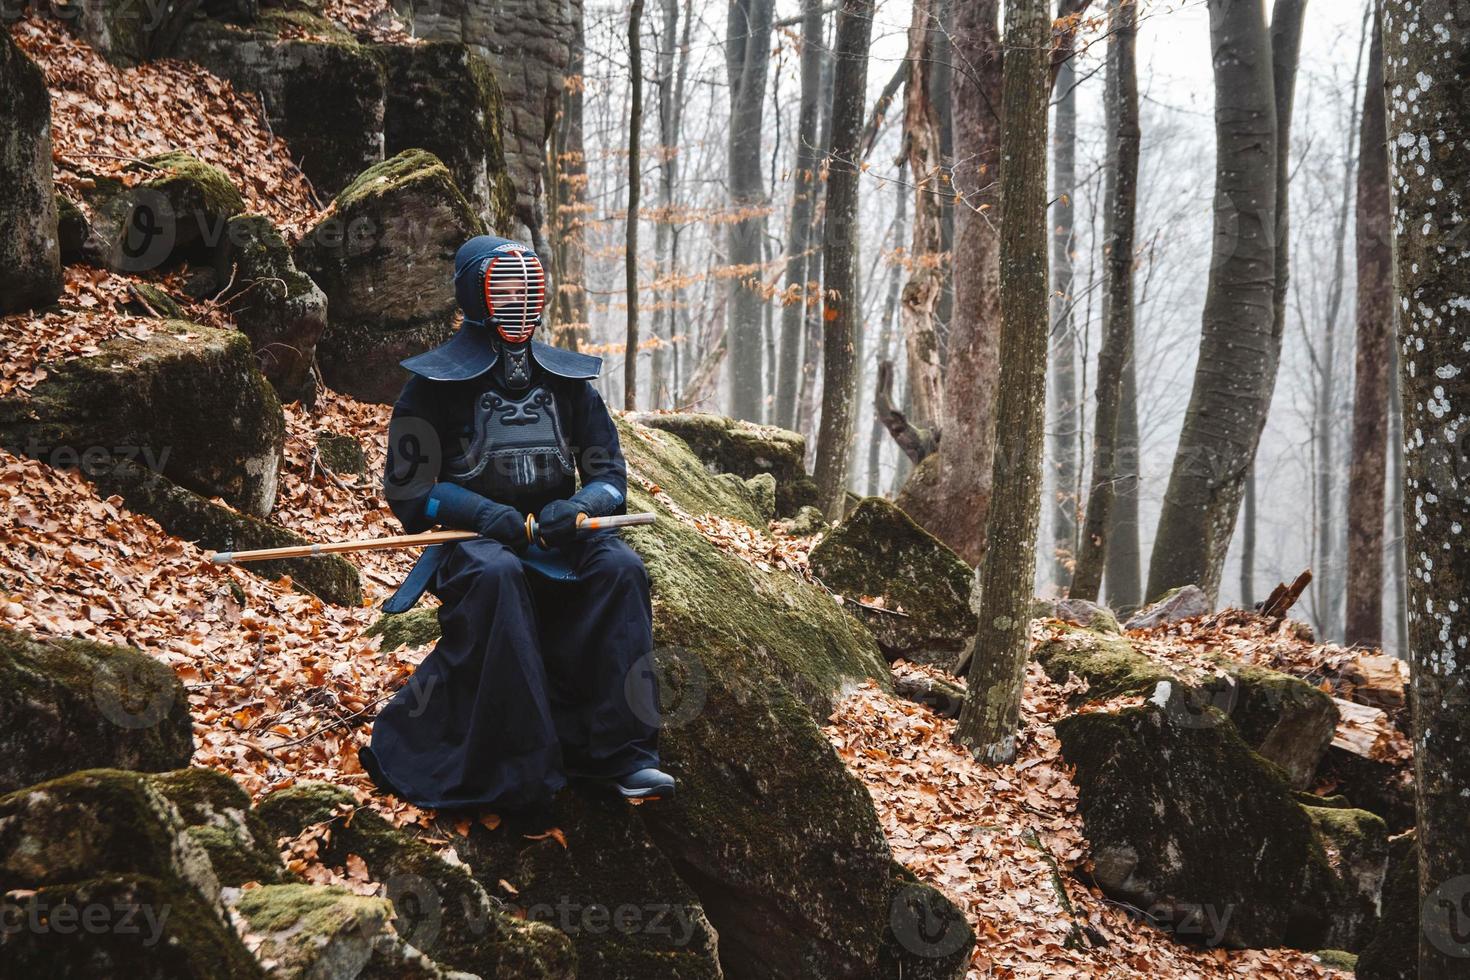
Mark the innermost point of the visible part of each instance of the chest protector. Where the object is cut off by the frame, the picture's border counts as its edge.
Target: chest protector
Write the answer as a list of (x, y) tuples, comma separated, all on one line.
[(517, 447)]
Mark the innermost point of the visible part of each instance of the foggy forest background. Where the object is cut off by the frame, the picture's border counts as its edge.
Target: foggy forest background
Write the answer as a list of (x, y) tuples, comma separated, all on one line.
[(686, 279)]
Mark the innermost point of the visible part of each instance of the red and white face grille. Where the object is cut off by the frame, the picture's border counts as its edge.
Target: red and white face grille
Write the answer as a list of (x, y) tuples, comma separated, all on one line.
[(515, 292)]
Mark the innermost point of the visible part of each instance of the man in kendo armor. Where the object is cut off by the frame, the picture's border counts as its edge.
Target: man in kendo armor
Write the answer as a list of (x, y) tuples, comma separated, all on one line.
[(542, 671)]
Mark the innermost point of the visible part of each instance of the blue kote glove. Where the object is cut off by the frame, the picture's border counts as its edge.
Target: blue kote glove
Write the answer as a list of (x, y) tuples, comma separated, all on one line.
[(557, 522), (453, 506)]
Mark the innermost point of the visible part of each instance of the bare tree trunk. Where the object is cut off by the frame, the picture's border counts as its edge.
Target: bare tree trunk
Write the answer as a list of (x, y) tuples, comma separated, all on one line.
[(1396, 507), (635, 181), (566, 200), (885, 337), (926, 278), (668, 175), (840, 313), (1426, 45), (1122, 197), (949, 494), (1066, 432), (799, 227), (1239, 346), (991, 713), (811, 348), (1248, 542), (1124, 578), (1364, 623), (747, 53)]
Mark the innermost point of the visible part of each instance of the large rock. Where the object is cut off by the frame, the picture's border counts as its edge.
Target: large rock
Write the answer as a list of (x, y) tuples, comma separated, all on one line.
[(70, 704), (30, 257), (1355, 843), (443, 98), (877, 551), (777, 841), (384, 255), (1181, 603), (119, 925), (273, 303), (1281, 717), (745, 449), (1185, 822), (323, 91), (188, 402), (526, 44), (217, 814), (438, 906), (177, 211), (187, 515)]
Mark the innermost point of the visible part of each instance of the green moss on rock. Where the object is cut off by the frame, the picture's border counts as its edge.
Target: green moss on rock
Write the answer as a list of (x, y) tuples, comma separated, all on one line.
[(1109, 663), (727, 445), (1282, 717), (416, 628), (66, 704), (112, 925), (342, 454), (1183, 818), (187, 515), (438, 907), (187, 401), (384, 256), (175, 211), (1356, 846), (218, 814), (97, 821), (878, 551), (1392, 951), (308, 931)]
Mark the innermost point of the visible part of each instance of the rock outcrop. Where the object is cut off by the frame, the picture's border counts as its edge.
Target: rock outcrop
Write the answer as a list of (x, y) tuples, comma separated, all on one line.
[(1392, 952), (878, 552), (1181, 603), (384, 256), (273, 303), (178, 212), (70, 704), (746, 450), (188, 402), (30, 257)]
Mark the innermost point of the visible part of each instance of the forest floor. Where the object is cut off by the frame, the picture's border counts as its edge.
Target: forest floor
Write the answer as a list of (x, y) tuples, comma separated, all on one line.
[(283, 688)]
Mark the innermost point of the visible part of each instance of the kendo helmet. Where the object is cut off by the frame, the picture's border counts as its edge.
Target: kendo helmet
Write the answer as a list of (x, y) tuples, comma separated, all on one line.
[(501, 283)]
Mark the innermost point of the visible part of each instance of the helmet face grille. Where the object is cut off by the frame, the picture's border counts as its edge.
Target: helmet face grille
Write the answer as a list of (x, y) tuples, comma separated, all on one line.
[(515, 293)]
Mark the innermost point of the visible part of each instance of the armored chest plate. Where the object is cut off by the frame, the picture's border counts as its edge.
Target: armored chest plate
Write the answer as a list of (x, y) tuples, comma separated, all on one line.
[(517, 447)]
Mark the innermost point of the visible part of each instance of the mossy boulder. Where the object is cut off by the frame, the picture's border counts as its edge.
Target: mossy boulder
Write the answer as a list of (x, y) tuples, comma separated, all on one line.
[(187, 515), (439, 907), (188, 402), (273, 303), (219, 817), (727, 445), (318, 932), (30, 256), (122, 925), (93, 822), (69, 704), (1108, 662), (177, 209), (878, 552), (443, 98), (384, 255), (1078, 612), (416, 628), (1392, 950), (1282, 717), (1186, 823), (1356, 846), (152, 300), (323, 92)]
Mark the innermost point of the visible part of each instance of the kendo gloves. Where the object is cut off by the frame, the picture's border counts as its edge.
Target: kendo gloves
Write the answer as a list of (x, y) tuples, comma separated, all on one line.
[(557, 522), (454, 506)]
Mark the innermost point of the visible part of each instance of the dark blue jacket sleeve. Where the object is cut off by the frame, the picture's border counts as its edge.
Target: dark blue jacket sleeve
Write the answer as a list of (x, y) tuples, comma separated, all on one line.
[(415, 458), (600, 461)]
